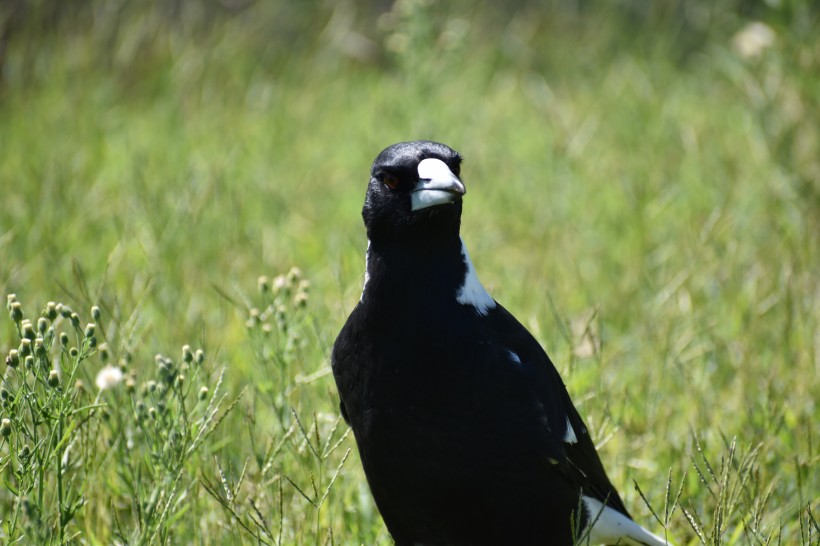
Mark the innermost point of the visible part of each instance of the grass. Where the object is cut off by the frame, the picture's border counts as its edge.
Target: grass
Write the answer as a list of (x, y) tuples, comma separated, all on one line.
[(642, 196)]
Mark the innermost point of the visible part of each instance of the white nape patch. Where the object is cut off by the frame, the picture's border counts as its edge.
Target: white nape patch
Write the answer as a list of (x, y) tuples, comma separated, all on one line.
[(569, 435), (366, 270), (437, 185), (611, 527), (471, 291), (515, 357)]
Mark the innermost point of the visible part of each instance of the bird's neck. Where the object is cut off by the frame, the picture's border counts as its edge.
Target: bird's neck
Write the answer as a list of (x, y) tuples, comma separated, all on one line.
[(437, 273), (405, 268)]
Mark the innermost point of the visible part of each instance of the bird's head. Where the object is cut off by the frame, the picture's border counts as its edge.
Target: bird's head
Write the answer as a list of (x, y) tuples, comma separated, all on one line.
[(414, 192)]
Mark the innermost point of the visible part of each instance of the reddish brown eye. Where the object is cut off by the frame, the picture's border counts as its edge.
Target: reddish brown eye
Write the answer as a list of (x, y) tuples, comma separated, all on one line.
[(391, 181)]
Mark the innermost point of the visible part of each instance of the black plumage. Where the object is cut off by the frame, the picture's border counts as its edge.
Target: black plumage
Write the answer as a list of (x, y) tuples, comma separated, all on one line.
[(465, 430)]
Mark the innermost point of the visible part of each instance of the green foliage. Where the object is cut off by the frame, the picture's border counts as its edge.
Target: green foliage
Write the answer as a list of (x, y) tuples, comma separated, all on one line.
[(58, 440), (644, 193)]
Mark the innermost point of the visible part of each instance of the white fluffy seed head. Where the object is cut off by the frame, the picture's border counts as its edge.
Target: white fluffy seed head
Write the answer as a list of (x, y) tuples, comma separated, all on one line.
[(108, 377)]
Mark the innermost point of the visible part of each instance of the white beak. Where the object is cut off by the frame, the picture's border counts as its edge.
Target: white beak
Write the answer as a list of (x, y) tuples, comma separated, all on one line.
[(437, 185)]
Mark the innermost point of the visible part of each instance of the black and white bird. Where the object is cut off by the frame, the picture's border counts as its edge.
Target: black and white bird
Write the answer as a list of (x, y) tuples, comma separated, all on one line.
[(465, 430)]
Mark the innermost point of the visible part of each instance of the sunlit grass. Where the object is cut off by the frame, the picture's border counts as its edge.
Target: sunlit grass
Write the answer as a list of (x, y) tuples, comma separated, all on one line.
[(648, 208)]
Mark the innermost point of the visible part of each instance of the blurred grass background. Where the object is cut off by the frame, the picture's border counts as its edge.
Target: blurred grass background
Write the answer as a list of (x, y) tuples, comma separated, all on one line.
[(644, 194)]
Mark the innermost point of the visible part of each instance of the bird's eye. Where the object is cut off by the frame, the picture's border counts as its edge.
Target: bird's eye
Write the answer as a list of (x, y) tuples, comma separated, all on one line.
[(390, 180)]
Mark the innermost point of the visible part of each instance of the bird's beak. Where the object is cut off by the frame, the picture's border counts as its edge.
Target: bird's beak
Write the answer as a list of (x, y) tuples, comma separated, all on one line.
[(437, 185)]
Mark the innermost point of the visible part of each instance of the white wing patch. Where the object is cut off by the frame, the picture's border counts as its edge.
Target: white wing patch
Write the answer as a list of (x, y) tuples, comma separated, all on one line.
[(471, 291), (612, 527), (569, 435)]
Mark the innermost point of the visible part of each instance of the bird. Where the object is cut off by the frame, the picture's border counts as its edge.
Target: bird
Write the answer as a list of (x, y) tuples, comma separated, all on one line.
[(465, 430)]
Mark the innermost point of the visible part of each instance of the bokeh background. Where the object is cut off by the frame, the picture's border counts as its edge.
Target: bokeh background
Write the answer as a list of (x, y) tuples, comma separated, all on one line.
[(644, 193)]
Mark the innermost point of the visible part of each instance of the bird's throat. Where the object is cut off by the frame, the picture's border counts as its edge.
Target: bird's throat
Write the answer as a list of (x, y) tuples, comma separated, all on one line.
[(432, 275)]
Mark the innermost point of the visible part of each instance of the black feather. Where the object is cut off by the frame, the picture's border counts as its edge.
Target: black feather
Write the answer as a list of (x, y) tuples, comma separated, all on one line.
[(460, 417)]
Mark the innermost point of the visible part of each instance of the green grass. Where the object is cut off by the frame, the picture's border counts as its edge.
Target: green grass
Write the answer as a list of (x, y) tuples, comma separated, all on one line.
[(644, 198)]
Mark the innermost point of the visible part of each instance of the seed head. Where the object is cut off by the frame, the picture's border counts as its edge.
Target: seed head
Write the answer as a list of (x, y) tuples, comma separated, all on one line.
[(24, 453), (42, 325), (140, 407), (63, 339), (10, 298), (4, 393), (166, 366), (152, 386), (53, 379), (29, 362), (64, 310), (263, 283), (203, 393), (75, 320), (130, 385), (161, 407), (16, 311), (200, 356), (104, 354), (39, 347), (92, 341), (5, 428), (254, 317), (79, 385), (108, 377), (28, 329), (294, 275), (187, 354), (13, 359), (51, 311), (152, 411), (95, 313), (74, 352), (300, 299), (25, 347), (89, 329), (280, 284)]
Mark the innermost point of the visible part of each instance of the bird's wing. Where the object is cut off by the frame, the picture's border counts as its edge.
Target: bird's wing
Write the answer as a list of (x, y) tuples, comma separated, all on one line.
[(566, 431)]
